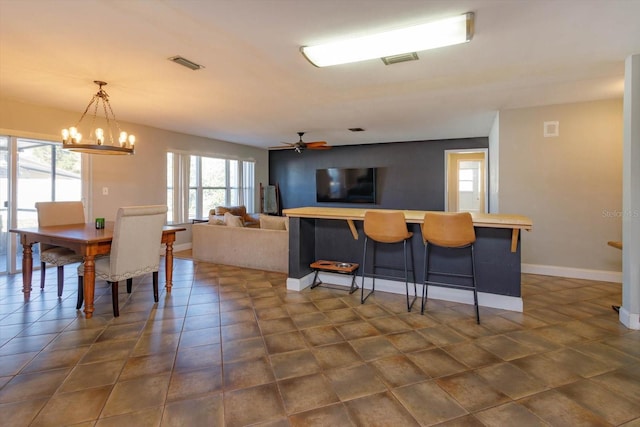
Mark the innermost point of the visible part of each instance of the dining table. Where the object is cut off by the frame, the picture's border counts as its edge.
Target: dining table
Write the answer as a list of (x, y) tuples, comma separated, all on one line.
[(88, 241)]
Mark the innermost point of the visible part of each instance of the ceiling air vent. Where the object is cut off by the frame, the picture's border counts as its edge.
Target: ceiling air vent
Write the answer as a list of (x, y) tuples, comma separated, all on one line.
[(186, 63), (403, 57), (356, 129)]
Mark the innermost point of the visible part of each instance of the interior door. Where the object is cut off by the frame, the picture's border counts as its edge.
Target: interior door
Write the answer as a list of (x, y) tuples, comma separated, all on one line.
[(466, 181)]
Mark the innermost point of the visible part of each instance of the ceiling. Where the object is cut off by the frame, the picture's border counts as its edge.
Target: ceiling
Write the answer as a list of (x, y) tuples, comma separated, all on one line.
[(257, 89)]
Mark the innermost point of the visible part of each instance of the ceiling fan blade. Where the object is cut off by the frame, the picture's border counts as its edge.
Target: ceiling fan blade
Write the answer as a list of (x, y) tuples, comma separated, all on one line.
[(287, 145), (282, 147), (316, 143), (319, 147)]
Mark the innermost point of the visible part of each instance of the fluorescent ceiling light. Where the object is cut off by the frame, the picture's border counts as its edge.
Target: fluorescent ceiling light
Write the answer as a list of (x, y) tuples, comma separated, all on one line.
[(446, 32)]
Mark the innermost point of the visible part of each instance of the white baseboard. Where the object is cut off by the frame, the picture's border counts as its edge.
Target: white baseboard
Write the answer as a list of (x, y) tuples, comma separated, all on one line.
[(630, 320), (485, 299), (573, 273)]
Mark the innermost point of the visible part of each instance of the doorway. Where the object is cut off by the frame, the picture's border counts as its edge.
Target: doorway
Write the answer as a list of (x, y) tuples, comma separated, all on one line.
[(466, 181)]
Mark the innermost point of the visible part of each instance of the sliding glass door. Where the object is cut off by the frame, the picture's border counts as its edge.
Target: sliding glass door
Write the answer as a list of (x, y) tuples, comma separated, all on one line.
[(31, 171)]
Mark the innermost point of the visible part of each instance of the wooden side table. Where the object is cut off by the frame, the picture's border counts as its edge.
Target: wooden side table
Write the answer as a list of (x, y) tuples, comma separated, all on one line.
[(339, 267)]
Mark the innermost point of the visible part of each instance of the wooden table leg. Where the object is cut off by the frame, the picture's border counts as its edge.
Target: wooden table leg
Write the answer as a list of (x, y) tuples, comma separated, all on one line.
[(89, 285), (27, 269), (168, 263)]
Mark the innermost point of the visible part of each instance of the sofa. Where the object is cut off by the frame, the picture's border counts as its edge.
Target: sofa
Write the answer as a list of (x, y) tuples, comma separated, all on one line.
[(227, 241), (217, 215)]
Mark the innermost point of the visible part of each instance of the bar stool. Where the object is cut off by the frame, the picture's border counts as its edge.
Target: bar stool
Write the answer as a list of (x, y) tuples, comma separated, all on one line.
[(453, 231), (387, 227)]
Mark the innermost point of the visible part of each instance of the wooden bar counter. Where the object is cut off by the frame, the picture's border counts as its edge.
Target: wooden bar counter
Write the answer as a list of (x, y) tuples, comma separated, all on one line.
[(320, 233)]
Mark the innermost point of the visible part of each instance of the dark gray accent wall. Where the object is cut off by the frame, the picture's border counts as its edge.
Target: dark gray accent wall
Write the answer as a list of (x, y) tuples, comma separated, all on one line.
[(410, 175)]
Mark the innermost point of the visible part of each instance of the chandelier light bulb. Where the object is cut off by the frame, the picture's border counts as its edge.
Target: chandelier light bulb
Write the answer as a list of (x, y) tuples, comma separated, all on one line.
[(132, 140), (65, 135), (99, 136)]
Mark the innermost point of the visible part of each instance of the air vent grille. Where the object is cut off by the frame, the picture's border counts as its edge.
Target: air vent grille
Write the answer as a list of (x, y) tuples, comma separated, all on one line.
[(403, 57), (186, 63)]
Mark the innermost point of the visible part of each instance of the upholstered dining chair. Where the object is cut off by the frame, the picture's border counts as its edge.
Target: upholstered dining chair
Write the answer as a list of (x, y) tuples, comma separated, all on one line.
[(58, 213), (135, 251)]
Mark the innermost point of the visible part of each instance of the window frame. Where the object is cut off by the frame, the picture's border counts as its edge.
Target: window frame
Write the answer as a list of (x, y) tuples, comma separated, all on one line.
[(179, 186)]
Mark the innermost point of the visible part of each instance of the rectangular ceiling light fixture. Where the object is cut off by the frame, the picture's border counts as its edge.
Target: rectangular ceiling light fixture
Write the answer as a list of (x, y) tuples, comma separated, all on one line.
[(446, 32)]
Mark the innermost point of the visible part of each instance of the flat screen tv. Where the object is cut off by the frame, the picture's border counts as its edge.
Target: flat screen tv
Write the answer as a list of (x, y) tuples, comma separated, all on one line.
[(346, 185)]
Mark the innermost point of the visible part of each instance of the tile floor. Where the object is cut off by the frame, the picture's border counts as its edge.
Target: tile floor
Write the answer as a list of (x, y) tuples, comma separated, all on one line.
[(231, 347)]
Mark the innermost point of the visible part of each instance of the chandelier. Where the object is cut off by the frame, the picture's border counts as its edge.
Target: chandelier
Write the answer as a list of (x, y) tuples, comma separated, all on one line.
[(96, 143)]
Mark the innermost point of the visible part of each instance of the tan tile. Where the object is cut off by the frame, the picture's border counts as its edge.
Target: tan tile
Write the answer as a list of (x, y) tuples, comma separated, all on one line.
[(239, 331), (33, 385), (332, 415), (108, 350), (356, 330), (371, 348), (441, 406), (12, 364), (389, 324), (622, 383), (277, 325), (441, 335), (471, 355), (247, 373), (577, 362), (614, 408), (149, 391), (409, 341), (310, 320), (21, 413), (504, 347), (464, 421), (287, 341), (251, 405), (194, 383), (202, 411), (237, 316), (243, 349), (370, 311), (330, 304), (336, 355), (122, 332), (510, 380), (546, 370), (398, 370), (557, 409), (200, 337), (436, 363), (306, 393), (322, 335), (268, 313), (191, 358), (369, 410), (471, 391), (294, 364), (504, 415), (194, 323), (532, 340), (72, 408), (147, 417), (355, 381), (344, 315), (147, 365), (92, 375), (160, 343)]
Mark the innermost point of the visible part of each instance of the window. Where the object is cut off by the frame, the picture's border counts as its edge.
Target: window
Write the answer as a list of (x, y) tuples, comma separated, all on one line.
[(197, 184)]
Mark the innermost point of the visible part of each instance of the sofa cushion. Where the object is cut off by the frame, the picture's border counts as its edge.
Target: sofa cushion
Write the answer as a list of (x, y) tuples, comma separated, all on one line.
[(274, 222), (233, 220), (240, 211)]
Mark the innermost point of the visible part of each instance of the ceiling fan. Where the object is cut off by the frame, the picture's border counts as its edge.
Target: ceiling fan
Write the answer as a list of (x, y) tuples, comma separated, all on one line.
[(301, 145)]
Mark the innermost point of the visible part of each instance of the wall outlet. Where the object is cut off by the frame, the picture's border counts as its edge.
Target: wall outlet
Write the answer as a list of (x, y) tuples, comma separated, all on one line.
[(551, 129), (105, 191)]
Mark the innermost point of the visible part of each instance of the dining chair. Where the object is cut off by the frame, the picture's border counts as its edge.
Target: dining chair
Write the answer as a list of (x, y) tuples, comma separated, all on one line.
[(135, 251), (58, 213), (453, 231), (387, 228)]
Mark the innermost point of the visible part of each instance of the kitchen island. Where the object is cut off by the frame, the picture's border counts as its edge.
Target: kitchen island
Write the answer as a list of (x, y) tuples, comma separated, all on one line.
[(334, 234)]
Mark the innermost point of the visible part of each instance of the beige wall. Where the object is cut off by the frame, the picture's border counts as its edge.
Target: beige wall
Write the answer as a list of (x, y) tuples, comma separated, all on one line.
[(570, 185), (132, 180)]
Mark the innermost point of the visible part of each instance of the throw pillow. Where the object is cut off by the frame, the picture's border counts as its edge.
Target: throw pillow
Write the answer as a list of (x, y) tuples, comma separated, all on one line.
[(234, 210), (232, 220), (274, 222)]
